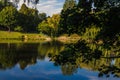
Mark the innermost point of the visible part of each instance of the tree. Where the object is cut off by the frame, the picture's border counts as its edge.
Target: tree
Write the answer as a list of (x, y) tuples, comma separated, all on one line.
[(53, 22), (1, 5), (69, 4), (105, 4), (76, 18), (29, 18), (9, 17), (68, 10), (108, 19), (18, 28), (99, 4), (85, 5), (5, 2), (24, 9), (43, 27), (42, 16), (111, 23), (50, 25)]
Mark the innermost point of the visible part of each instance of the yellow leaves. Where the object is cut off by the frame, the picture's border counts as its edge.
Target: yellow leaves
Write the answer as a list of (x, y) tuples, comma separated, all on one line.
[(54, 21)]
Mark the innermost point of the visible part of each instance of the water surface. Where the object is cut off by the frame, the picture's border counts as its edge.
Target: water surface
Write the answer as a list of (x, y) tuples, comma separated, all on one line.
[(56, 61)]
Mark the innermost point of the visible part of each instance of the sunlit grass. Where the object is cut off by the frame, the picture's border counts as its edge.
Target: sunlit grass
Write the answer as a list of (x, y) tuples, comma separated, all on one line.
[(17, 37), (10, 35)]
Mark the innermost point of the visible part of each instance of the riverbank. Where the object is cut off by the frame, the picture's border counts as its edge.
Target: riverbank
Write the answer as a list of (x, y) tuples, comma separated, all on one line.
[(17, 36), (68, 39)]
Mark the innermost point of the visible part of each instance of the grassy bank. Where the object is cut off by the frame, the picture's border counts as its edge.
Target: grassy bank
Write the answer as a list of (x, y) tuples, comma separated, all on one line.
[(4, 35), (10, 35), (14, 37), (68, 39)]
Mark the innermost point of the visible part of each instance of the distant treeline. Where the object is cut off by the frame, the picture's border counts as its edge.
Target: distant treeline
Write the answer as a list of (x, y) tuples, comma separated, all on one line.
[(23, 20), (91, 19)]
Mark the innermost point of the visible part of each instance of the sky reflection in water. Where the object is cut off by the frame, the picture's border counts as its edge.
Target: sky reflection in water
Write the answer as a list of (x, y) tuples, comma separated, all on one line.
[(44, 70), (41, 69)]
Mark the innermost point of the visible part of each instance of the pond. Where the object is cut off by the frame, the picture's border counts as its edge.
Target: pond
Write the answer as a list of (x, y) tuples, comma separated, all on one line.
[(57, 61)]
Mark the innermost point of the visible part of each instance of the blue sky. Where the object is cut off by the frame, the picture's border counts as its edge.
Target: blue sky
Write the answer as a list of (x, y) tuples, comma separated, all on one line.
[(50, 6)]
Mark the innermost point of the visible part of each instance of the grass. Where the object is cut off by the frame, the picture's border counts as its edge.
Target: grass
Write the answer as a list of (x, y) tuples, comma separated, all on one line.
[(68, 39), (10, 35), (15, 36)]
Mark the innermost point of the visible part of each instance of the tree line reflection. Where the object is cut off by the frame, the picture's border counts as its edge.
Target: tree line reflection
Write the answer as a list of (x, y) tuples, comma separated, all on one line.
[(70, 57)]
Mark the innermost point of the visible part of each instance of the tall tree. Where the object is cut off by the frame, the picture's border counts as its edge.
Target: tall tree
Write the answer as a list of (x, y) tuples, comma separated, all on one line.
[(42, 16), (99, 4), (85, 5), (1, 5), (9, 17), (105, 4), (29, 18), (68, 8), (53, 22), (50, 25), (69, 4)]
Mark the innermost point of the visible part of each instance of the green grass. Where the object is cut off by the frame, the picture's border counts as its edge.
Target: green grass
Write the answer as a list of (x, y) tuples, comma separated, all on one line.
[(4, 35), (10, 35)]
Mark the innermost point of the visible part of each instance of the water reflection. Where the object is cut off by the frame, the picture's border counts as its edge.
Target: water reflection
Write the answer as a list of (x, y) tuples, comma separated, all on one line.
[(11, 54), (70, 57), (26, 53), (89, 56)]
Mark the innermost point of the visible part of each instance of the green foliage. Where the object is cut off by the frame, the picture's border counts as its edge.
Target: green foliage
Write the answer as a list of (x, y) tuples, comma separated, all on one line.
[(69, 4), (24, 10), (85, 5), (42, 16), (91, 33), (99, 4), (80, 19), (9, 17), (18, 28), (77, 18), (114, 19), (105, 4), (67, 15), (28, 18), (4, 3), (109, 22), (50, 25), (53, 22), (44, 28), (1, 5)]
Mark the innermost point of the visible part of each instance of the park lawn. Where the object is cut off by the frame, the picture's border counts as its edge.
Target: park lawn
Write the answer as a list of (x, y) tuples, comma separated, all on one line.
[(5, 35), (10, 35), (14, 37)]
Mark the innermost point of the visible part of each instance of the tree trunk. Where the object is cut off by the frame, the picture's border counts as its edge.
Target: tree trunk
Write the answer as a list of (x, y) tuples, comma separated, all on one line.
[(8, 29)]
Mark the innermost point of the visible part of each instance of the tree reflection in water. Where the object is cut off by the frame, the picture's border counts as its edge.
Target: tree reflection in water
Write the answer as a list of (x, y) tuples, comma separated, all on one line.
[(23, 54), (90, 56), (70, 57)]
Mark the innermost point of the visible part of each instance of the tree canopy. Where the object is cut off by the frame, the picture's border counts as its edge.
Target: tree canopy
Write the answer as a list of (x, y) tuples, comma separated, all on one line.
[(9, 17), (50, 25)]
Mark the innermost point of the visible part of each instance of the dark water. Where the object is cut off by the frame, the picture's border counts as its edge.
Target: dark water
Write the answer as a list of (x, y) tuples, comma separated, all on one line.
[(57, 61)]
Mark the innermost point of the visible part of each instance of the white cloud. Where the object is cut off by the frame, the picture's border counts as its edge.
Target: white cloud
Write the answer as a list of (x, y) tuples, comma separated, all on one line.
[(50, 6)]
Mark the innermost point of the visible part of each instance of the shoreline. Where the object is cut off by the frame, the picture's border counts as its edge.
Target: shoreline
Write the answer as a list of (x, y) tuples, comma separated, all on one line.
[(35, 37)]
